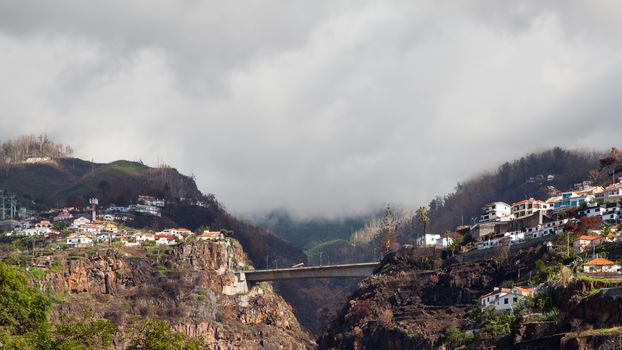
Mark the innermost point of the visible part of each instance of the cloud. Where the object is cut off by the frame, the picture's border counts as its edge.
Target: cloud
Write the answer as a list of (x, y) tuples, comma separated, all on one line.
[(324, 107)]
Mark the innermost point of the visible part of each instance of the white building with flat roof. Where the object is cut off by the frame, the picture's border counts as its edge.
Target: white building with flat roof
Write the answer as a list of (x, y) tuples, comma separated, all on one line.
[(497, 211)]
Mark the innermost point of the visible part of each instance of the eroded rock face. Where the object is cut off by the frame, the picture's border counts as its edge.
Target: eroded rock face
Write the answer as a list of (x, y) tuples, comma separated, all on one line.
[(412, 300), (183, 287)]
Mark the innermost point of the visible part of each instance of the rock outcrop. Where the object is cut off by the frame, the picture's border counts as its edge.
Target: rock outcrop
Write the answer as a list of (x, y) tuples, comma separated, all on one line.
[(183, 286)]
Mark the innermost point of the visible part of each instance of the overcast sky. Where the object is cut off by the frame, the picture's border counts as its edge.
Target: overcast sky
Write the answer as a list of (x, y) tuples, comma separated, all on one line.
[(321, 107)]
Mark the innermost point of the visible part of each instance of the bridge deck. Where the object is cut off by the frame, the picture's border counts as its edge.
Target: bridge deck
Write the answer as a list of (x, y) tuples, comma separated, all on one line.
[(308, 272)]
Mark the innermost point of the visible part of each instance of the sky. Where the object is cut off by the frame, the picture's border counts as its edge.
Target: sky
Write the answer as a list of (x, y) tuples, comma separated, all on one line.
[(321, 107)]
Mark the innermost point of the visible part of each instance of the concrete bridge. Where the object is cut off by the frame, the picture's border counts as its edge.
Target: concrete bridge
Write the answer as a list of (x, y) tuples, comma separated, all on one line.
[(309, 272)]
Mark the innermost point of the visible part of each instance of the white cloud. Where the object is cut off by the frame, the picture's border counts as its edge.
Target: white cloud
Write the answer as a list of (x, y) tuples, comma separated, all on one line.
[(322, 107)]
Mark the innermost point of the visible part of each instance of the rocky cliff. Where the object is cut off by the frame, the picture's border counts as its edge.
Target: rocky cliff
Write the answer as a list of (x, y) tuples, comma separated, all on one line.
[(189, 286), (413, 300)]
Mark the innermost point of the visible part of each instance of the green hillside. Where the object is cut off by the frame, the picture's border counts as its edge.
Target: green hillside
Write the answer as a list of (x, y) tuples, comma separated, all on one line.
[(70, 181)]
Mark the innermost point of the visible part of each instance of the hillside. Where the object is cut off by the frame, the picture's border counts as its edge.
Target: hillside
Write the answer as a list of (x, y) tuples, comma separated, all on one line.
[(70, 181), (511, 183), (415, 301), (188, 287)]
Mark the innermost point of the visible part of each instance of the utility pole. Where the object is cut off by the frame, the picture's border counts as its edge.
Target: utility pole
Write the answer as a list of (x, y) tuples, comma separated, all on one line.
[(320, 258), (3, 197), (13, 207)]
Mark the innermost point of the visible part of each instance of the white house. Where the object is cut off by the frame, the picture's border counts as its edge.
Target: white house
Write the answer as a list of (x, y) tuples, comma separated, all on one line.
[(601, 265), (592, 211), (528, 207), (210, 235), (63, 215), (145, 209), (165, 239), (585, 242), (613, 193), (428, 240), (497, 211), (80, 221), (79, 241), (90, 228), (612, 213), (505, 298), (444, 242), (141, 237), (515, 236), (177, 232)]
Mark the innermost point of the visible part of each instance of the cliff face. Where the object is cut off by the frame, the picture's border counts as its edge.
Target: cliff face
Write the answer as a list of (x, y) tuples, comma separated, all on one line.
[(412, 300), (185, 286)]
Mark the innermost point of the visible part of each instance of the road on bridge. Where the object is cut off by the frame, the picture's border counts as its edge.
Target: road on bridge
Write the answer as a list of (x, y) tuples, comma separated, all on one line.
[(310, 272)]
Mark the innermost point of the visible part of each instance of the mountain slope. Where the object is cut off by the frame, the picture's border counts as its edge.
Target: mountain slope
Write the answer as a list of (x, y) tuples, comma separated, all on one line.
[(511, 183)]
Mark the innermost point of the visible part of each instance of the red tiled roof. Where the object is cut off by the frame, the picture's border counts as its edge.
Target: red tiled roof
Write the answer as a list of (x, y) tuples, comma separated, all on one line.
[(588, 238), (600, 261)]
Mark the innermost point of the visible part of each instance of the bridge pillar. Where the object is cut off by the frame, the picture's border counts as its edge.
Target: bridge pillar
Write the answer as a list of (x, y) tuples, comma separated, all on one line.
[(239, 285)]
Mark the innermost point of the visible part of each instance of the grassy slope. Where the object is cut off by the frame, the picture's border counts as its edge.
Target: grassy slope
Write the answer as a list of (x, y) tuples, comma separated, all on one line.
[(46, 185)]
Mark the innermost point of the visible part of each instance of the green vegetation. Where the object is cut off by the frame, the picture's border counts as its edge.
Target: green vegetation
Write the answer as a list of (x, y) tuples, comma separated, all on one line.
[(456, 339), (24, 324), (36, 273), (539, 301), (544, 272), (593, 279), (492, 325), (550, 315), (157, 335), (24, 309), (162, 270), (314, 252)]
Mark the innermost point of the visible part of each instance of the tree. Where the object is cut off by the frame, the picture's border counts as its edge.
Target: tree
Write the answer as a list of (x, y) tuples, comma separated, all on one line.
[(23, 307), (388, 229), (423, 218), (157, 335), (88, 333)]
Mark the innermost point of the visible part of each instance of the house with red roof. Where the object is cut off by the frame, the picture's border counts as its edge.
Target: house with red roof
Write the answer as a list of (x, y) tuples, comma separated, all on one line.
[(601, 265), (210, 235), (165, 239), (585, 242)]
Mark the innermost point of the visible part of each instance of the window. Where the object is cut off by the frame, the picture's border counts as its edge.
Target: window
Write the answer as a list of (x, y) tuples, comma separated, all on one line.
[(515, 299), (506, 301)]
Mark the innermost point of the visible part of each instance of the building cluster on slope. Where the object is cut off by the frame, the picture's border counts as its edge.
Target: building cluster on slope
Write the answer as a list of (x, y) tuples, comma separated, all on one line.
[(502, 224), (82, 231)]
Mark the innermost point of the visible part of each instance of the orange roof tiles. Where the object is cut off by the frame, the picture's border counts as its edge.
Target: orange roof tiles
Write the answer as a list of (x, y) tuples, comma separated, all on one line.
[(588, 238), (600, 261)]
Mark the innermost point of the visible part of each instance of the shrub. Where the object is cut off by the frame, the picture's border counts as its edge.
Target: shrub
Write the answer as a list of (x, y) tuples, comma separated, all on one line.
[(454, 338), (539, 301), (23, 307), (550, 315), (157, 335)]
